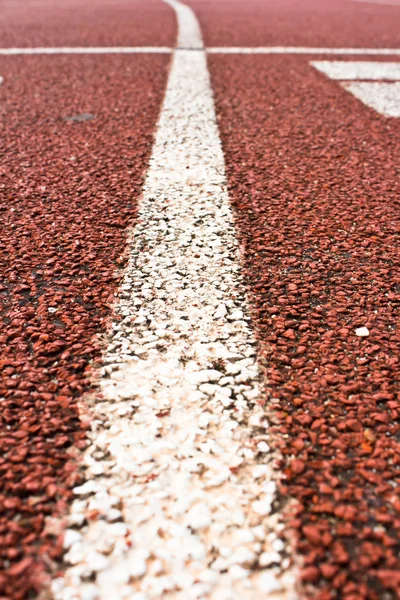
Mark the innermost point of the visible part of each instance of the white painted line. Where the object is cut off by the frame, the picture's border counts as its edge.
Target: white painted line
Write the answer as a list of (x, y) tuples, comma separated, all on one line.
[(189, 33), (87, 50), (184, 44), (387, 2), (383, 97), (179, 468), (358, 69), (305, 50)]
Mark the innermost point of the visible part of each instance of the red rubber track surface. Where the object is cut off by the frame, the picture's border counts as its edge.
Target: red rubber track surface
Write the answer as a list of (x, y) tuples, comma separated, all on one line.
[(25, 23), (68, 192), (314, 178), (336, 23)]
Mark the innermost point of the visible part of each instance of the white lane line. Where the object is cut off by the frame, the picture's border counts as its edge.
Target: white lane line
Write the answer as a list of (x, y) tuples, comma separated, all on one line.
[(358, 70), (305, 50), (87, 50), (184, 42), (381, 96), (180, 484), (189, 33)]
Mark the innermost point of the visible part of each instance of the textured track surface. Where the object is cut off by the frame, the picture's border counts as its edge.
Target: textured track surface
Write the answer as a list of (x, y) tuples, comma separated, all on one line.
[(314, 177), (297, 23), (178, 437), (25, 23), (68, 191)]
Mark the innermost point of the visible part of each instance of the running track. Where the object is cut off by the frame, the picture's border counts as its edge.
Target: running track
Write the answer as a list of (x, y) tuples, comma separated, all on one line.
[(312, 174)]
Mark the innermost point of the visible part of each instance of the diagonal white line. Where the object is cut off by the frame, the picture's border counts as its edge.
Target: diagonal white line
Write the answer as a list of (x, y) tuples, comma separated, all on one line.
[(186, 463), (381, 96), (358, 69)]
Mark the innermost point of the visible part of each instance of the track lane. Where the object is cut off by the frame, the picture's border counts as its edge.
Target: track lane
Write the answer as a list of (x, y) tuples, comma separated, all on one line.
[(26, 23), (342, 23), (313, 174), (69, 186), (178, 439), (355, 565)]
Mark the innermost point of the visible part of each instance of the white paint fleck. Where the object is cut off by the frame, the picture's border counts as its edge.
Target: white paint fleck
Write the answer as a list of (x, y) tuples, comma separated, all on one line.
[(71, 537), (362, 332)]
